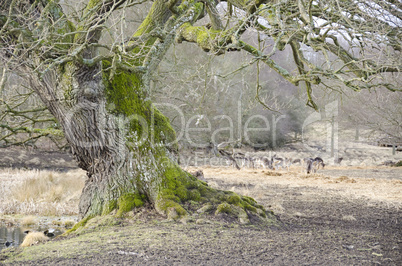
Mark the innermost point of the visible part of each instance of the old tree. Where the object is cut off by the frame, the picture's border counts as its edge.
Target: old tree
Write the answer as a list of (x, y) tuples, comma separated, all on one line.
[(98, 89)]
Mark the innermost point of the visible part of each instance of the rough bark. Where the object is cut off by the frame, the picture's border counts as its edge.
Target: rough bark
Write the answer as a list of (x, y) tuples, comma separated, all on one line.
[(116, 134)]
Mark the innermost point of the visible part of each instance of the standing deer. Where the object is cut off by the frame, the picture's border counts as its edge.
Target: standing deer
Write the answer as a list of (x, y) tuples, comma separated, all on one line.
[(312, 165)]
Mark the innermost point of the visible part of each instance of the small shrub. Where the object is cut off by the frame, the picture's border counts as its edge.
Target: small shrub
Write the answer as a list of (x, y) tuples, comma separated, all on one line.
[(398, 164)]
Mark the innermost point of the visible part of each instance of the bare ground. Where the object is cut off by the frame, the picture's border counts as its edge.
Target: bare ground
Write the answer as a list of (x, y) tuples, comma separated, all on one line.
[(327, 218)]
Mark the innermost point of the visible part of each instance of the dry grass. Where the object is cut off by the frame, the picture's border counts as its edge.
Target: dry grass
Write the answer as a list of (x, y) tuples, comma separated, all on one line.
[(34, 238), (349, 218), (345, 179), (276, 207), (271, 173), (40, 192), (28, 220), (69, 223)]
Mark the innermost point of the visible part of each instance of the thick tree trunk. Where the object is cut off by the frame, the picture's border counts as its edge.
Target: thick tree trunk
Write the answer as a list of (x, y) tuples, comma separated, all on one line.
[(123, 142), (131, 159), (128, 149), (125, 145)]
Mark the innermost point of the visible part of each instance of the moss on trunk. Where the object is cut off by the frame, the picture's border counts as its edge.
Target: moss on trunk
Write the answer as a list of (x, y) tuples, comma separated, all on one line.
[(129, 148), (172, 191)]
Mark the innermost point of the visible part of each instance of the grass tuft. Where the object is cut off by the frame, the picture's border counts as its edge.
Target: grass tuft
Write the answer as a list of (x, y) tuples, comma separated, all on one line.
[(348, 218), (34, 238), (69, 223), (28, 220)]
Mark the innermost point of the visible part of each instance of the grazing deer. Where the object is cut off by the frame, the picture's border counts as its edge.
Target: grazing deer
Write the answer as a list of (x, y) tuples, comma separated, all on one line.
[(225, 149), (268, 163), (317, 163), (295, 161), (338, 160), (288, 162), (308, 164), (277, 162), (312, 165)]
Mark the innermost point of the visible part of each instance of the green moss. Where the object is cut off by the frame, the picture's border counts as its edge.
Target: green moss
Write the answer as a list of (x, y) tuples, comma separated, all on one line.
[(168, 194), (173, 176), (221, 195), (250, 208), (127, 202), (234, 199), (262, 213), (249, 200), (164, 205), (206, 208), (223, 208), (80, 224), (92, 3), (193, 203), (109, 206), (149, 22), (194, 195), (182, 193), (259, 206), (125, 96), (241, 215), (207, 191), (204, 37)]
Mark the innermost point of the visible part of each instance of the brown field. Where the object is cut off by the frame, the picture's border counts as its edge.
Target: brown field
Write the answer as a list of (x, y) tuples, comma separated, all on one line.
[(332, 182)]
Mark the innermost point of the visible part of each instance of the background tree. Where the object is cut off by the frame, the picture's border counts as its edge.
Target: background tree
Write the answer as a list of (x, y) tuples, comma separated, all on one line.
[(96, 83), (24, 120), (382, 114)]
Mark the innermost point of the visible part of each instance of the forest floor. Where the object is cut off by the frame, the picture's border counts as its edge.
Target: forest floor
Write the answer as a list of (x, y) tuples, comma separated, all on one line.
[(330, 217)]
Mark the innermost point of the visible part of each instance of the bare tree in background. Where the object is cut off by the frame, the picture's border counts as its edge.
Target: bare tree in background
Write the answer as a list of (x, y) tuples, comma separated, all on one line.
[(99, 91), (379, 111)]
